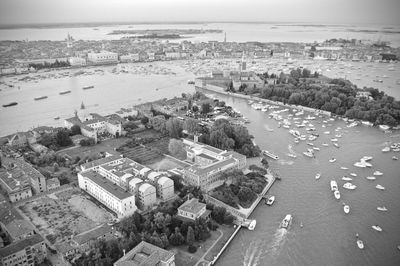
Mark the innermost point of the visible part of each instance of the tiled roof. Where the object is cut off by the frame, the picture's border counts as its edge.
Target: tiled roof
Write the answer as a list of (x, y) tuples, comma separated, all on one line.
[(107, 185), (19, 227), (8, 214), (74, 120), (145, 254), (20, 245), (193, 206)]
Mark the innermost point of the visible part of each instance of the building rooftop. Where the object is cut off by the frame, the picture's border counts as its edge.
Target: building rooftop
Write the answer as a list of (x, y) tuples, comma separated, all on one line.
[(74, 120), (93, 234), (211, 167), (205, 156), (101, 161), (107, 185), (145, 254), (145, 186), (163, 180), (20, 245), (8, 214), (193, 206)]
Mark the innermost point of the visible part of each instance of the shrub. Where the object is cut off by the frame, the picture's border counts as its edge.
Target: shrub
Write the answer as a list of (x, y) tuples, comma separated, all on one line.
[(192, 249)]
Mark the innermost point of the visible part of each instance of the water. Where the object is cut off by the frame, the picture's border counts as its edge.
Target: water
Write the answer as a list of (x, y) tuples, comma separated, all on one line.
[(238, 32), (328, 234)]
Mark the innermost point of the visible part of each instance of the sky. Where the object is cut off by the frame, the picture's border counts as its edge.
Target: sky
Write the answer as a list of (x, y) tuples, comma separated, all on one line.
[(307, 11)]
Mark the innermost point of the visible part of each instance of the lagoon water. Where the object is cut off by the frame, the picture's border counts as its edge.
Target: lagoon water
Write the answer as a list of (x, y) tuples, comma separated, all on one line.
[(328, 234), (237, 32)]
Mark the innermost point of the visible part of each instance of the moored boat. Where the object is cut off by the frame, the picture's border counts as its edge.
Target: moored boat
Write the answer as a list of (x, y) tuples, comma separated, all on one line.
[(349, 185), (378, 173), (334, 185), (380, 187), (87, 87), (360, 243), (332, 160), (386, 149), (343, 168), (336, 193), (377, 228), (345, 178), (40, 98), (269, 154), (353, 174), (382, 209), (10, 104), (64, 92), (270, 200), (371, 177)]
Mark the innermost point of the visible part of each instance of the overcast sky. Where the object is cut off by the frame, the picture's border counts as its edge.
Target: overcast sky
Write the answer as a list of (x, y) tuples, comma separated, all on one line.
[(309, 11)]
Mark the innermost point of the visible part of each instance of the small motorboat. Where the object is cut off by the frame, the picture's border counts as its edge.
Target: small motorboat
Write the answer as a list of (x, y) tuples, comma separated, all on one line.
[(270, 200), (336, 193), (377, 228), (350, 186), (336, 145), (316, 148), (353, 174), (317, 176), (382, 209), (346, 208), (252, 225), (308, 154), (378, 173), (380, 187), (332, 160), (292, 155), (395, 158), (386, 149), (371, 177), (334, 140), (366, 158), (310, 144), (360, 243), (286, 221), (345, 178), (343, 168), (325, 144)]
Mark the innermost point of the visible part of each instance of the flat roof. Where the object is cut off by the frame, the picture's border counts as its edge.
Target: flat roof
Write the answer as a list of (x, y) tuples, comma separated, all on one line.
[(93, 234), (20, 245), (193, 206), (101, 161), (206, 169), (107, 185)]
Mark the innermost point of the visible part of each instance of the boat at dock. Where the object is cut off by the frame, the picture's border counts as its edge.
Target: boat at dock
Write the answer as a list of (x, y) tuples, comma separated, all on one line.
[(286, 221), (308, 154), (10, 104), (270, 154), (292, 155), (87, 87), (40, 98), (270, 200), (64, 92)]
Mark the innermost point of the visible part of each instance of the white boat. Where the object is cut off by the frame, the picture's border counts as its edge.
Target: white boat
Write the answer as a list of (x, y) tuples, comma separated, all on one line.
[(286, 221), (346, 208), (353, 174), (366, 158), (336, 193), (395, 158), (343, 168), (371, 177), (386, 149), (336, 145), (327, 132), (317, 176), (269, 154), (345, 178), (349, 185), (382, 209), (360, 164), (384, 127), (270, 200), (316, 148), (338, 136), (378, 173), (292, 155), (380, 187), (360, 243), (377, 228), (325, 144), (332, 160), (334, 186), (334, 140), (252, 225), (308, 154)]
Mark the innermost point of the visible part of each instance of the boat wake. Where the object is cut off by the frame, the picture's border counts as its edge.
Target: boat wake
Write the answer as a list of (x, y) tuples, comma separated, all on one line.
[(277, 242), (253, 253), (268, 128)]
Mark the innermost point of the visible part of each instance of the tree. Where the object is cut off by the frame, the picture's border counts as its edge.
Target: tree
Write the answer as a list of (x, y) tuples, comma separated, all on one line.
[(190, 236), (62, 138), (144, 120), (245, 194), (158, 123), (177, 149), (195, 108), (174, 127), (75, 130), (87, 142), (230, 87), (191, 125), (205, 108)]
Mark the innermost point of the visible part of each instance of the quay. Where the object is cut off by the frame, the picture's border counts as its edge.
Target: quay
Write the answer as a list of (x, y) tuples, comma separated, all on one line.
[(240, 218)]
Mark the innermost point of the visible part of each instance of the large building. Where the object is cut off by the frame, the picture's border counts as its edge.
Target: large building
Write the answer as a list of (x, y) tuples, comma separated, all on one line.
[(209, 163), (94, 124), (147, 254), (23, 252), (146, 185), (103, 58), (15, 183), (13, 224), (108, 193)]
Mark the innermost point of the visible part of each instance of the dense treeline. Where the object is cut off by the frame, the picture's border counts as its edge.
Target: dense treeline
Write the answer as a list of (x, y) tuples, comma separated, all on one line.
[(56, 64), (338, 96)]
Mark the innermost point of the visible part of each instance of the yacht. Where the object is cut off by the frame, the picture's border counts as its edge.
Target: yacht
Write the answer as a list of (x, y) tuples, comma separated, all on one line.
[(345, 178), (270, 200), (349, 185), (360, 243), (336, 193), (383, 208), (378, 173), (377, 228), (334, 185), (386, 149), (371, 177), (332, 160), (317, 176), (346, 208), (380, 187), (286, 221), (269, 154)]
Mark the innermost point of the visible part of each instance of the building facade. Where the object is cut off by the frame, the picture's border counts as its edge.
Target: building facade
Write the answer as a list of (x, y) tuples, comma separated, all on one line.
[(23, 252), (192, 209), (103, 58)]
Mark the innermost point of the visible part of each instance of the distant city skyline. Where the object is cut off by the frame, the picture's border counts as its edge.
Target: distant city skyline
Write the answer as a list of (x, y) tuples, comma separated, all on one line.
[(383, 12)]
